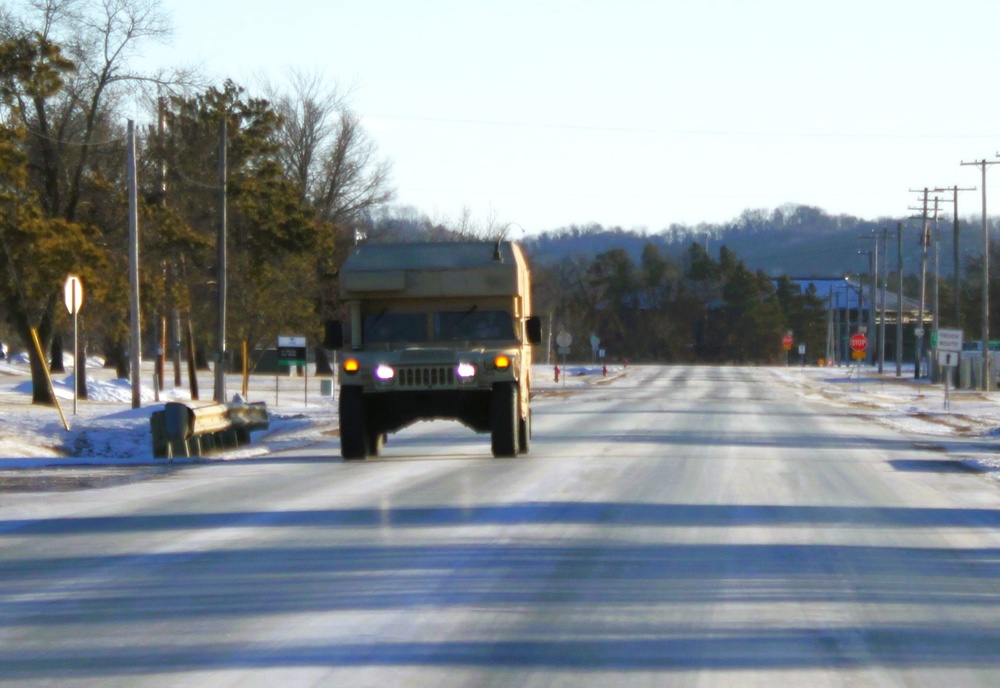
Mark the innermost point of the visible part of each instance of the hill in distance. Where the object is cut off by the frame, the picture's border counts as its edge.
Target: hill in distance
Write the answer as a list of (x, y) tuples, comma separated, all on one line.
[(793, 240)]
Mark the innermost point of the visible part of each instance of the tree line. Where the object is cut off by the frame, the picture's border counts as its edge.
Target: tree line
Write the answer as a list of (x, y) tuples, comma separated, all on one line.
[(697, 309), (953, 284), (303, 179)]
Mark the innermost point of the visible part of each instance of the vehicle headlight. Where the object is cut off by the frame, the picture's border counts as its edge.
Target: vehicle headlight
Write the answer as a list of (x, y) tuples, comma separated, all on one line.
[(465, 371), (384, 372)]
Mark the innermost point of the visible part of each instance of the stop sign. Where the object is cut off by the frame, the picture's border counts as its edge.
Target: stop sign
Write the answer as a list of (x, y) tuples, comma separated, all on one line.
[(786, 342), (859, 342)]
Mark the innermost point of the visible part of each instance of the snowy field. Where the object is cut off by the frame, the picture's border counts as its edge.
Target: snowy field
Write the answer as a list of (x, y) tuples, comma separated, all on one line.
[(107, 431)]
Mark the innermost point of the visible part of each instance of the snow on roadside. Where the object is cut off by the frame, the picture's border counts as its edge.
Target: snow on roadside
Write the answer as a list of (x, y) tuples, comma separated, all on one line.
[(108, 431), (914, 407)]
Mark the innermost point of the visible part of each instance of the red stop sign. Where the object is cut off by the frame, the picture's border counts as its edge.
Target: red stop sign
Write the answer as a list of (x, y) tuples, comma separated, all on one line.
[(786, 342), (859, 342)]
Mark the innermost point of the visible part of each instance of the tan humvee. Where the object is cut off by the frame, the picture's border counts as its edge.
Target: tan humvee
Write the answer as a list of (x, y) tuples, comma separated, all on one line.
[(436, 330)]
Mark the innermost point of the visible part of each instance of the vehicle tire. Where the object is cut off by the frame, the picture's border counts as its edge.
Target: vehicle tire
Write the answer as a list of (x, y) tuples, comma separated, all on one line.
[(504, 420), (524, 434), (353, 438)]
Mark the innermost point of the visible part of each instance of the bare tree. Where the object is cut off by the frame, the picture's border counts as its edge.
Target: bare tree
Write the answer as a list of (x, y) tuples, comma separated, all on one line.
[(352, 178), (100, 38), (308, 123), (328, 152), (65, 95), (467, 228)]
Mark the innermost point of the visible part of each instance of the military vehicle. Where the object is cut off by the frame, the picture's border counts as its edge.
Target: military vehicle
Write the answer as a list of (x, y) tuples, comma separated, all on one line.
[(435, 331)]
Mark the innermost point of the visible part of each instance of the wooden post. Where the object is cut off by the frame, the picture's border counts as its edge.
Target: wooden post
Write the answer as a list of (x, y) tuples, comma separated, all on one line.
[(192, 369), (48, 378)]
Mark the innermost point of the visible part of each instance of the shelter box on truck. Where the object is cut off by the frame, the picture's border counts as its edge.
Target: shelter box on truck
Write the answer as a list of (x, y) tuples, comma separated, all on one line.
[(435, 331)]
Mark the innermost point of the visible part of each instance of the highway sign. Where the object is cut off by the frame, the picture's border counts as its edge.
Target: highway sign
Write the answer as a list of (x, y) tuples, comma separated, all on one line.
[(948, 359), (291, 350), (949, 340)]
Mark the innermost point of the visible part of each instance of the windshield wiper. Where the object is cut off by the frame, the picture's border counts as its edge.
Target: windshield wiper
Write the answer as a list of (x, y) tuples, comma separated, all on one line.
[(466, 314), (378, 317)]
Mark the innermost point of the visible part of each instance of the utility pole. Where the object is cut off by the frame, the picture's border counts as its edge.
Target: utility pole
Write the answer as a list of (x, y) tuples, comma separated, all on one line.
[(924, 242), (899, 307), (829, 326), (874, 269), (135, 330), (220, 361), (882, 285), (956, 297), (982, 164), (865, 325), (170, 275), (935, 324)]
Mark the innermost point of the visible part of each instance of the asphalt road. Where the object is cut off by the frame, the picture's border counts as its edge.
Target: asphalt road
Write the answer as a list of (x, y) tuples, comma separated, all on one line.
[(682, 526)]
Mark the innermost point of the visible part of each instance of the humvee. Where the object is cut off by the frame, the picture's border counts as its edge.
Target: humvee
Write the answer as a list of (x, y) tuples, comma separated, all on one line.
[(435, 331)]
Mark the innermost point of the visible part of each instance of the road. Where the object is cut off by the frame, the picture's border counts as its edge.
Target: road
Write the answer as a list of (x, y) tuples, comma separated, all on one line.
[(679, 526)]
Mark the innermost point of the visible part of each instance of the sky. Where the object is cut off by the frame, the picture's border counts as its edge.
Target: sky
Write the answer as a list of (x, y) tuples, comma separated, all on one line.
[(635, 113)]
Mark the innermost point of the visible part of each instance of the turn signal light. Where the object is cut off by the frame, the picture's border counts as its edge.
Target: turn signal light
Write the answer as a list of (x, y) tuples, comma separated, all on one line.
[(502, 362), (351, 365)]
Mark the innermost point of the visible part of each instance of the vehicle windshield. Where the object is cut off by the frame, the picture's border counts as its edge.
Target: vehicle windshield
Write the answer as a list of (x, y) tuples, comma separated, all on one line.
[(473, 325), (387, 328)]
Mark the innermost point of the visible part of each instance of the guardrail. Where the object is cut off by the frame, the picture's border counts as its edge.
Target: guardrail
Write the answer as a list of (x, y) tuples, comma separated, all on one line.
[(192, 429)]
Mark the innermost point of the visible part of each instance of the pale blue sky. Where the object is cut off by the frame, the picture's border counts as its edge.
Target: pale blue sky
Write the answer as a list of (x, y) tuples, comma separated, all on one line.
[(637, 113)]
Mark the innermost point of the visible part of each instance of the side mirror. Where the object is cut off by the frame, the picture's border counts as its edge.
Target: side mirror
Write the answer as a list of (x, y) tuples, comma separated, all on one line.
[(533, 326), (334, 335)]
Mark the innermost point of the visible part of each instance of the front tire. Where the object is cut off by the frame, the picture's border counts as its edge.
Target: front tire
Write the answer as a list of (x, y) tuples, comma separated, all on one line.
[(353, 435), (504, 425), (524, 433)]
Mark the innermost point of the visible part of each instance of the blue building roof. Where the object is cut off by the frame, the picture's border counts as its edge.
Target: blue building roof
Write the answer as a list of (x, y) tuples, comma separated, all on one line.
[(846, 293)]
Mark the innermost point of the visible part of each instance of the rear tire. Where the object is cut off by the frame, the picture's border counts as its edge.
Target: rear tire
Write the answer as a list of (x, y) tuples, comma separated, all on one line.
[(504, 425), (353, 436)]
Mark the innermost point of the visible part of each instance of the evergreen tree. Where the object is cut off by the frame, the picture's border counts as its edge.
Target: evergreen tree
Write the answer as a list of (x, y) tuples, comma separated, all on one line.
[(270, 232)]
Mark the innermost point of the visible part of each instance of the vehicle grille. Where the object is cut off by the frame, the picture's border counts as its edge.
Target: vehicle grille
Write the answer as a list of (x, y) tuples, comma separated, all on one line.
[(424, 377)]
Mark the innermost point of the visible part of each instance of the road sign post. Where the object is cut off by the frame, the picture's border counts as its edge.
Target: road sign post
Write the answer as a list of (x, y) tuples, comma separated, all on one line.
[(292, 351), (564, 339), (947, 360), (73, 295), (859, 348), (949, 348), (949, 340), (859, 345), (786, 345)]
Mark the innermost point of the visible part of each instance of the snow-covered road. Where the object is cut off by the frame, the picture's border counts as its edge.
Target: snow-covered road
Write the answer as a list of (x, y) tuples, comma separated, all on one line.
[(685, 526)]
